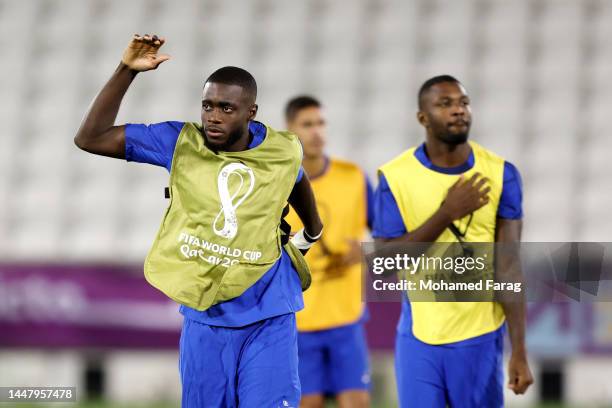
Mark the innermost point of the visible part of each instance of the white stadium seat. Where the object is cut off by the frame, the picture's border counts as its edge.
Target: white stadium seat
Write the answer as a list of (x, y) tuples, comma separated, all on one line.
[(540, 98)]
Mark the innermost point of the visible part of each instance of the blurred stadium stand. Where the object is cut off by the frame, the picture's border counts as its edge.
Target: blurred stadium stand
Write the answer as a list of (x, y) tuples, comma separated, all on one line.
[(537, 71)]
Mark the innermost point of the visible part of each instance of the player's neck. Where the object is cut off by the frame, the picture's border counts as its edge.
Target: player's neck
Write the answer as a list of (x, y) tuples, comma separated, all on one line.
[(314, 166), (241, 144), (446, 155)]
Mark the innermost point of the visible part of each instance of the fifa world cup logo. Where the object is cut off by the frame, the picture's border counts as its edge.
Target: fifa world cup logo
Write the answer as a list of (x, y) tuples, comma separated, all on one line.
[(228, 206)]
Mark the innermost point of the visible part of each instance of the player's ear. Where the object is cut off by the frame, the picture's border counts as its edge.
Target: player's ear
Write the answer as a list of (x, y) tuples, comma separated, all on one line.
[(253, 111), (422, 118)]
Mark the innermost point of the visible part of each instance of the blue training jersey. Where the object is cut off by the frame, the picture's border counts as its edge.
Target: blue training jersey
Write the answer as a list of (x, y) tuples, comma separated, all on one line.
[(277, 292), (388, 222)]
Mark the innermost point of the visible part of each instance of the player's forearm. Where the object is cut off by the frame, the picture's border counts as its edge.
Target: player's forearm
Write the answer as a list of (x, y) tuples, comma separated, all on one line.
[(425, 234), (508, 269), (515, 317), (303, 202), (103, 111), (429, 231)]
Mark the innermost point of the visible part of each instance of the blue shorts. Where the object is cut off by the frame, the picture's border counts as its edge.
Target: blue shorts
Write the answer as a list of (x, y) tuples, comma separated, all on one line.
[(334, 360), (469, 376), (250, 366)]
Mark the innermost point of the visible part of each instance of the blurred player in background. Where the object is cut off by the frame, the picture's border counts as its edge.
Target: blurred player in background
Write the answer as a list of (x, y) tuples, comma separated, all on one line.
[(450, 353), (331, 340), (217, 251)]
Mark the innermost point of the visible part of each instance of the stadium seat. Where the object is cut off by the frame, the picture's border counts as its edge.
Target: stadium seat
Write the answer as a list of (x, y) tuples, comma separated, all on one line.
[(539, 96)]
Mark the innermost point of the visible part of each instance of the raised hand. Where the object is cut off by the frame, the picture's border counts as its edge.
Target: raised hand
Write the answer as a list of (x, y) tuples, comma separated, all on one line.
[(465, 197), (141, 53)]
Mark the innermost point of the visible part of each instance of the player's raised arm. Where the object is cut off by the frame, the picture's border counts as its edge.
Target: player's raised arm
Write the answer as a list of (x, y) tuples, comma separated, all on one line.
[(463, 198), (303, 202), (98, 133)]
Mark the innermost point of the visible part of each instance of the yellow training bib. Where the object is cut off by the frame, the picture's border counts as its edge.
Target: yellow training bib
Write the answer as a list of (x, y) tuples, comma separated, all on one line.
[(419, 192), (221, 232), (334, 297)]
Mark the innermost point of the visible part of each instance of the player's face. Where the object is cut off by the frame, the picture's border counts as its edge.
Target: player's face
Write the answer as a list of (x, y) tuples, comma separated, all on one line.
[(446, 113), (226, 112), (309, 125)]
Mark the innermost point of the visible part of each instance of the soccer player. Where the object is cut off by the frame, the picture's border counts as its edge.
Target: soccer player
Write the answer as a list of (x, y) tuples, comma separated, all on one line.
[(218, 249), (333, 357), (450, 353)]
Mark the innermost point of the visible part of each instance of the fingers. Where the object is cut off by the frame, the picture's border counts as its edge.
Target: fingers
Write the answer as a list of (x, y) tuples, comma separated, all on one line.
[(512, 380), (150, 40), (142, 39), (481, 182), (157, 41), (474, 191), (519, 380), (482, 202), (457, 183), (476, 181), (136, 41), (474, 177), (483, 192), (520, 384)]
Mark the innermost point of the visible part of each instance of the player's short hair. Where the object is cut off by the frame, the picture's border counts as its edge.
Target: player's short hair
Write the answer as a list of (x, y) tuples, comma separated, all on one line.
[(234, 76), (434, 81), (298, 103)]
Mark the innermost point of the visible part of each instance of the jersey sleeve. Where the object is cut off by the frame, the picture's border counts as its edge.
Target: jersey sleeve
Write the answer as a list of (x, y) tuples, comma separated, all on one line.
[(511, 201), (369, 202), (388, 222), (152, 144), (300, 175)]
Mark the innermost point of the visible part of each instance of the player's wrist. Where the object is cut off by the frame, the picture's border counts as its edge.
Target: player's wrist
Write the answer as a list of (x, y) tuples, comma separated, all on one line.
[(310, 237), (446, 214), (123, 66), (519, 352), (302, 241)]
